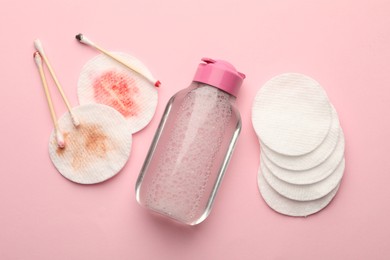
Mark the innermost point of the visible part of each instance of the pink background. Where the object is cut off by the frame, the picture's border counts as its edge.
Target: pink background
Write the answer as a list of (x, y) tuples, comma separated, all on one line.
[(345, 45)]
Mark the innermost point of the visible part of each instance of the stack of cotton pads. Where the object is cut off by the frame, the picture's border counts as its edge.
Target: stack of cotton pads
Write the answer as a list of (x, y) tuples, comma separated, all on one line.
[(302, 145)]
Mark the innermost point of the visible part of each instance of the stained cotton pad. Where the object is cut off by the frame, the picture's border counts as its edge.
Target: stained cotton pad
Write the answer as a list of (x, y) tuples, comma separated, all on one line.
[(103, 80), (291, 114), (304, 192), (312, 159), (94, 151), (290, 207), (312, 175)]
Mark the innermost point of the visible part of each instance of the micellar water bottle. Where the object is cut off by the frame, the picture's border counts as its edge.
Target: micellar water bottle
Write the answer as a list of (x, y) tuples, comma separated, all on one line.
[(193, 145)]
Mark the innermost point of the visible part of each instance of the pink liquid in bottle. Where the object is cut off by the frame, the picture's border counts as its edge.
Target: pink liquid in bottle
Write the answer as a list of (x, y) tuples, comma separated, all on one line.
[(192, 146)]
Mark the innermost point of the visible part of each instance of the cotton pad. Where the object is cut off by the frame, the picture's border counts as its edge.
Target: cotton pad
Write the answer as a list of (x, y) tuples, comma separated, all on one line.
[(291, 114), (103, 80), (94, 151), (304, 192), (312, 159), (290, 207), (312, 175)]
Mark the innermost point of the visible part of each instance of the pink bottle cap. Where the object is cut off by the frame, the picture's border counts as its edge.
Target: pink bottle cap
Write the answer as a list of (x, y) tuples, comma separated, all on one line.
[(220, 74)]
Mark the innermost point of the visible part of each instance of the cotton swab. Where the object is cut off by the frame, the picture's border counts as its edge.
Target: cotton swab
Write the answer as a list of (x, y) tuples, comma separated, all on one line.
[(83, 39), (39, 47), (58, 133)]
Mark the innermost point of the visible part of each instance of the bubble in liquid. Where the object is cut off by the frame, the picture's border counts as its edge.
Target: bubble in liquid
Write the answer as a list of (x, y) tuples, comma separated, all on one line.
[(184, 169)]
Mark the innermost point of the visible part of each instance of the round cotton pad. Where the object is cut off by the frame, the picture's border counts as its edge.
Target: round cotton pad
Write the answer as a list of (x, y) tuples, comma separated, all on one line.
[(312, 159), (291, 114), (290, 207), (103, 80), (94, 151), (304, 192), (312, 175)]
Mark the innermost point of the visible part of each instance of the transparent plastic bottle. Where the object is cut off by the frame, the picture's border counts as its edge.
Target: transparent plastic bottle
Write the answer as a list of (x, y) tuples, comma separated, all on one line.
[(193, 145)]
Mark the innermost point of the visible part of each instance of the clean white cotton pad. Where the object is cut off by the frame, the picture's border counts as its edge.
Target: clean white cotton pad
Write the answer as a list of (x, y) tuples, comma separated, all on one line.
[(105, 81), (291, 114), (290, 207), (304, 192), (94, 151), (312, 175), (312, 159)]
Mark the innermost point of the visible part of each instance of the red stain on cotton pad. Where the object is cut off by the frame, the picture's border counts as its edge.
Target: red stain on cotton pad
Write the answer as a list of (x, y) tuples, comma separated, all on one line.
[(117, 90)]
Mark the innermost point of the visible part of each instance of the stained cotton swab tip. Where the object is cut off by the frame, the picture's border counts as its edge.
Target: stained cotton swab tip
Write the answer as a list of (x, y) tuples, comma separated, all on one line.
[(81, 38), (60, 139)]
